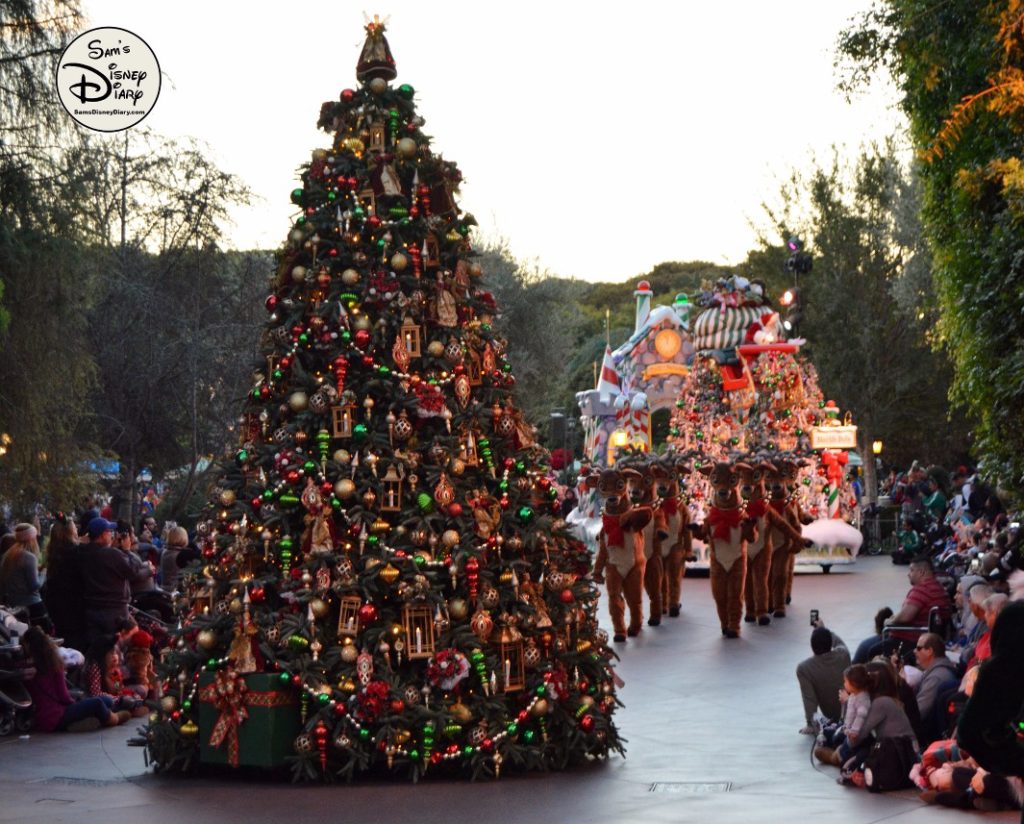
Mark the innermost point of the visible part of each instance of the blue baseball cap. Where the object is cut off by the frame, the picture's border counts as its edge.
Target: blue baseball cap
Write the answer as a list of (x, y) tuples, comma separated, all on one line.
[(97, 526)]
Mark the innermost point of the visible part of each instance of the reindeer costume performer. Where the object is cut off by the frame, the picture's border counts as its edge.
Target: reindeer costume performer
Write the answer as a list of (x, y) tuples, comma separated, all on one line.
[(727, 530), (678, 546), (786, 543), (760, 550), (654, 534), (620, 556)]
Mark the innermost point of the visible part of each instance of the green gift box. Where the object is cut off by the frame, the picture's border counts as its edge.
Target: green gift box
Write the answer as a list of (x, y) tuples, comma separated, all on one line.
[(246, 720)]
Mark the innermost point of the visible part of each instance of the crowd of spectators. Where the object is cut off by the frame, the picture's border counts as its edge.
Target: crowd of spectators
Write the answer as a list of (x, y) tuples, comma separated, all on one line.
[(958, 633), (77, 598)]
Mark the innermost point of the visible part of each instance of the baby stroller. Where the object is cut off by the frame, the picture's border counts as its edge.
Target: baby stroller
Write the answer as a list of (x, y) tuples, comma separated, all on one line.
[(15, 701)]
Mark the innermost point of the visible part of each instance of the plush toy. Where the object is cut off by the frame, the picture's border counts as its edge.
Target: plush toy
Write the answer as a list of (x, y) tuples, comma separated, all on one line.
[(760, 550), (677, 547), (621, 549), (727, 530), (139, 660), (783, 480), (763, 330)]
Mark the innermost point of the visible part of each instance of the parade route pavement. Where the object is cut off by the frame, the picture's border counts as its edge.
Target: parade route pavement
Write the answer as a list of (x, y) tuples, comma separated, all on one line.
[(711, 727)]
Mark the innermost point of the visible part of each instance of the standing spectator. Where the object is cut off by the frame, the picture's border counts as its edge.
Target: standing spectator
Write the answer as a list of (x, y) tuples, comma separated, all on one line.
[(19, 576), (55, 709), (821, 676), (146, 595), (149, 533), (105, 573), (989, 726), (935, 502), (177, 541), (62, 591)]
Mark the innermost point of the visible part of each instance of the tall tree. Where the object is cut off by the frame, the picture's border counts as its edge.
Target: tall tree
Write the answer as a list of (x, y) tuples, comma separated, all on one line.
[(867, 306), (958, 67)]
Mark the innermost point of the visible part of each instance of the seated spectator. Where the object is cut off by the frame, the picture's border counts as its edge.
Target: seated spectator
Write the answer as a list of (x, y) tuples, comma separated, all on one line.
[(863, 654), (821, 677), (55, 709), (19, 576), (103, 676), (856, 701), (970, 614), (925, 592), (938, 677), (886, 717), (991, 608)]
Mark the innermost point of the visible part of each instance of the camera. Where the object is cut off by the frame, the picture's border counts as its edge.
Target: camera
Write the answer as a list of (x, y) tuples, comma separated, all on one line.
[(814, 617)]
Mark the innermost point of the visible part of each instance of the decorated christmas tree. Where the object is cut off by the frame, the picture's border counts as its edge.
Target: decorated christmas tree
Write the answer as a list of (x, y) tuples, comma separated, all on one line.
[(385, 582)]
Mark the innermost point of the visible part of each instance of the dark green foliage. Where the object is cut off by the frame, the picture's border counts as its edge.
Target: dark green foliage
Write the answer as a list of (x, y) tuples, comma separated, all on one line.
[(957, 65)]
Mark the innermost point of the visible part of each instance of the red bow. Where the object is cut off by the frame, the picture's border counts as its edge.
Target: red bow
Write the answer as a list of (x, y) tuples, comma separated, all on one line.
[(756, 509), (724, 521), (670, 506), (778, 506), (613, 530)]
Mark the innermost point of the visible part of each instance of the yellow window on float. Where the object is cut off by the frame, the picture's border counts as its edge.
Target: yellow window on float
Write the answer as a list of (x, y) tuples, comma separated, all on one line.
[(617, 440)]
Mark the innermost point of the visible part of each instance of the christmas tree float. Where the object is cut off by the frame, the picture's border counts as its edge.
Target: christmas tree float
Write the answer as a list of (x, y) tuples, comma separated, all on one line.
[(386, 585)]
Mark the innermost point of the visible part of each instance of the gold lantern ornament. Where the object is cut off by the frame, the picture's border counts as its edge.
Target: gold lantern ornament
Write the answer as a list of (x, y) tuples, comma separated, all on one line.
[(510, 653), (348, 616), (418, 622), (391, 499), (342, 418), (410, 334)]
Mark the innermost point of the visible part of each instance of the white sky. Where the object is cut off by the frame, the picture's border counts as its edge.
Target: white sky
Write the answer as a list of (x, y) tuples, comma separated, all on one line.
[(598, 143)]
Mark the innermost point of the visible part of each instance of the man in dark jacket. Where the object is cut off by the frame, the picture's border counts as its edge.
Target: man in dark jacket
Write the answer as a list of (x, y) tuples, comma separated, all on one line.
[(105, 575), (821, 676)]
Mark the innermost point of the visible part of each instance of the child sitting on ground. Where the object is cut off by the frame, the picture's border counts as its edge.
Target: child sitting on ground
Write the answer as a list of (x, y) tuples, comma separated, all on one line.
[(835, 748)]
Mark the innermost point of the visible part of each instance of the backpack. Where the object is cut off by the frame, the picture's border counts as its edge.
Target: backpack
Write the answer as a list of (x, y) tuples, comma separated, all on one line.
[(887, 765)]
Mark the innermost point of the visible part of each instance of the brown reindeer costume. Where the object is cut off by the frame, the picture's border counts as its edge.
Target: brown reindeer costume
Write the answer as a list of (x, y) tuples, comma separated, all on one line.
[(654, 534), (786, 543), (727, 531), (620, 557), (678, 546), (760, 550)]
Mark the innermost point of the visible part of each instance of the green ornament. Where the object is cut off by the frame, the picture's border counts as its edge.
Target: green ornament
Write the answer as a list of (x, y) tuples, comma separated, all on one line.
[(528, 736), (186, 704), (309, 466), (373, 540), (525, 514), (406, 91), (359, 431), (520, 467), (335, 503), (284, 678), (268, 495), (424, 502), (414, 755), (541, 691), (297, 197), (358, 212), (346, 335), (679, 404), (288, 499), (297, 642), (468, 751), (364, 734), (385, 370), (323, 698), (277, 374), (286, 542), (242, 456), (301, 221), (674, 431), (304, 338), (212, 663), (486, 327), (503, 486)]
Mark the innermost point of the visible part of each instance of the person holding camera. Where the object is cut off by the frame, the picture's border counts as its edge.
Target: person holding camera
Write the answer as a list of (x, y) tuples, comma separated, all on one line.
[(821, 676)]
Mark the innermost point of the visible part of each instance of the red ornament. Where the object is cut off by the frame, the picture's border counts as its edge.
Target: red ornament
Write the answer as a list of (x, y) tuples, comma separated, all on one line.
[(368, 361), (296, 680), (397, 706), (257, 595), (361, 338), (587, 723), (347, 95), (373, 222), (566, 596), (367, 614), (455, 510), (271, 303)]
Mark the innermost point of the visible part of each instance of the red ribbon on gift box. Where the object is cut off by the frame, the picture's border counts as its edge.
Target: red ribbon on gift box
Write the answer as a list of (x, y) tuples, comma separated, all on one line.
[(230, 695)]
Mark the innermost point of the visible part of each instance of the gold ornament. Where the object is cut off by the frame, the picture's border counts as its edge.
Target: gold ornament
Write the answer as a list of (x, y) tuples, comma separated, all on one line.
[(399, 261), (227, 497), (319, 607), (458, 467), (344, 489), (444, 492), (389, 574), (460, 713), (168, 703), (349, 653), (342, 456), (450, 538), (189, 729), (540, 708), (406, 147), (463, 392), (482, 624), (298, 401), (207, 639), (458, 608), (435, 349), (350, 277)]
